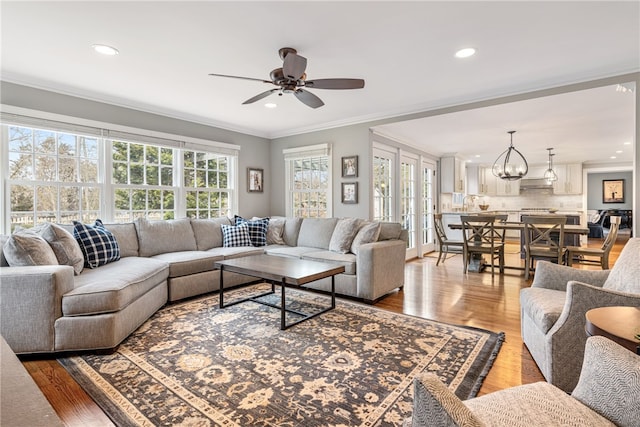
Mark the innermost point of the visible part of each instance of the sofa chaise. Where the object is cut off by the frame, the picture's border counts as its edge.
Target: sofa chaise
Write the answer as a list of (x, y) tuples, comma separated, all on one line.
[(48, 307)]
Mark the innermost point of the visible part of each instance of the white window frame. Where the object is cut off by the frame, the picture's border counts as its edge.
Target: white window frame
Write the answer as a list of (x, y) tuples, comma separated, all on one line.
[(307, 153), (105, 132)]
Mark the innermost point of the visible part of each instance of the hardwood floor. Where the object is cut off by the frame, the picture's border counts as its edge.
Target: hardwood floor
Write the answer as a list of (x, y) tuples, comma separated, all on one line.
[(442, 293)]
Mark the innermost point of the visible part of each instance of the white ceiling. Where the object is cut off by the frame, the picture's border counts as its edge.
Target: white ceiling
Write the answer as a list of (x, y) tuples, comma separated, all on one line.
[(404, 51)]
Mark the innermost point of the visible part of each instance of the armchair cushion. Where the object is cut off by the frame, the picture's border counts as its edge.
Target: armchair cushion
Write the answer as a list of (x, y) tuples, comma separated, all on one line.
[(543, 306), (436, 405), (625, 277), (610, 382)]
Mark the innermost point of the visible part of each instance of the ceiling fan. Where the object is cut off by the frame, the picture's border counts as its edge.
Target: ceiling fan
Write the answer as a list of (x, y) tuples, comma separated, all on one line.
[(291, 78)]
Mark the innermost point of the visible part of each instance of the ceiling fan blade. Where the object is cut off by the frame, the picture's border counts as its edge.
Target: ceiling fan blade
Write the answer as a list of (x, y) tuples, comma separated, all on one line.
[(260, 96), (335, 84), (308, 98), (240, 77), (294, 66)]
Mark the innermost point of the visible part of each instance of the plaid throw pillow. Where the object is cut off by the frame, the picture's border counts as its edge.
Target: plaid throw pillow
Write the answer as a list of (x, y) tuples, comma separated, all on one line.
[(235, 235), (98, 245), (257, 229)]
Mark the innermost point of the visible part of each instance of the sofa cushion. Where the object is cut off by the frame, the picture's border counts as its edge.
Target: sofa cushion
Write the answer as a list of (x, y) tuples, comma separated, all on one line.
[(28, 248), (126, 236), (235, 235), (343, 234), (625, 274), (292, 252), (112, 287), (64, 245), (316, 232), (368, 233), (188, 262), (291, 230), (158, 237), (389, 231), (228, 253), (543, 306), (347, 260), (98, 244), (275, 231), (208, 232), (257, 229)]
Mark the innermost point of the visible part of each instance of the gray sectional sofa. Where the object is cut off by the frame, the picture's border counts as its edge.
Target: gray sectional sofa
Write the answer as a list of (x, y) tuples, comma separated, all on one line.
[(46, 308)]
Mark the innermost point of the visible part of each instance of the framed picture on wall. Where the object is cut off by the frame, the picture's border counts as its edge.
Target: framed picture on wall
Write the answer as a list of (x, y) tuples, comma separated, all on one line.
[(613, 191), (349, 192), (350, 167), (255, 180)]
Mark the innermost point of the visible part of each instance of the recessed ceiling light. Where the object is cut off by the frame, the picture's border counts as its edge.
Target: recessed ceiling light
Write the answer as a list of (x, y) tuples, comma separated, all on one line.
[(270, 105), (465, 53), (477, 155), (627, 143), (612, 157), (104, 49), (618, 151)]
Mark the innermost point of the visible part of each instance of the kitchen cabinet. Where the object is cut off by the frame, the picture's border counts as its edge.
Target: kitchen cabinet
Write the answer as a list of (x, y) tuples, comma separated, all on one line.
[(507, 188), (569, 179), (488, 182), (452, 175)]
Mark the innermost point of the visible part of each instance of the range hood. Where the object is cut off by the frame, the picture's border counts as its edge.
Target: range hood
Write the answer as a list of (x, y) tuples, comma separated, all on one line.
[(539, 184)]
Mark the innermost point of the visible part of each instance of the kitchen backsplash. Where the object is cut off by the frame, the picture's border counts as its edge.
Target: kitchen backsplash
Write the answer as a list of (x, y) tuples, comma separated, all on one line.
[(530, 200)]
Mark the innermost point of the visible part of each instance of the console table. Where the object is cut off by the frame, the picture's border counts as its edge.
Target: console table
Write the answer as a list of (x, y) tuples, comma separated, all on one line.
[(619, 324)]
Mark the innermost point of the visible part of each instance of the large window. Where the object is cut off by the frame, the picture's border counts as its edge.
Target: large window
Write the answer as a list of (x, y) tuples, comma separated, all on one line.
[(309, 181), (206, 180), (383, 180), (55, 175), (52, 176)]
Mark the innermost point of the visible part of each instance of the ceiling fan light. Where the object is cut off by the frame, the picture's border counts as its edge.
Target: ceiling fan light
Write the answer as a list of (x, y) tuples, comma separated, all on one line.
[(508, 168)]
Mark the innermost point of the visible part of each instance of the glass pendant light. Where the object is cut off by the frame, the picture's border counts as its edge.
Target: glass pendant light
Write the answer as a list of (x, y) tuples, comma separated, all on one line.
[(511, 164), (550, 175)]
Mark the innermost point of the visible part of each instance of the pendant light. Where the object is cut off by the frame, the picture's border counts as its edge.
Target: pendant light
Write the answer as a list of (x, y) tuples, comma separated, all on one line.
[(511, 164), (550, 175)]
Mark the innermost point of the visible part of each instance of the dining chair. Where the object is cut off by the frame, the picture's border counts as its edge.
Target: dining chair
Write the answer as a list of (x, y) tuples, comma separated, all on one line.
[(444, 243), (601, 253), (482, 238), (543, 239)]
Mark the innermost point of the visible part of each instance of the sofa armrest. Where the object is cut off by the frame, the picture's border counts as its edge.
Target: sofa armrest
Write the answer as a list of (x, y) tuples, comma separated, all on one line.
[(568, 337), (380, 268), (553, 276), (610, 371), (435, 405), (30, 303)]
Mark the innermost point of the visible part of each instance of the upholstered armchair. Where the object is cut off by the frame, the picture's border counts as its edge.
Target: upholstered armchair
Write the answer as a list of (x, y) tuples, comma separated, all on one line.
[(608, 394), (553, 310)]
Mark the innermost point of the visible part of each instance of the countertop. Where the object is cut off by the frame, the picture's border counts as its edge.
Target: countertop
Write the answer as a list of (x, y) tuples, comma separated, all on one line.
[(527, 212)]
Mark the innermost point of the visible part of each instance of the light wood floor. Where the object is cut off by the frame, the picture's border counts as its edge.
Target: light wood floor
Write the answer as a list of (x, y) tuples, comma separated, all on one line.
[(441, 293)]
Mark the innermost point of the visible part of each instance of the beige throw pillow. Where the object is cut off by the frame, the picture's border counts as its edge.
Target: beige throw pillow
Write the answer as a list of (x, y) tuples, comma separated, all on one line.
[(64, 245), (28, 248), (368, 233), (275, 232), (343, 235)]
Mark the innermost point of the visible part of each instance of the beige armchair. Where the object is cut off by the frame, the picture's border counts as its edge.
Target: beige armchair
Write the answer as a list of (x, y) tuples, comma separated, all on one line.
[(552, 310), (610, 372)]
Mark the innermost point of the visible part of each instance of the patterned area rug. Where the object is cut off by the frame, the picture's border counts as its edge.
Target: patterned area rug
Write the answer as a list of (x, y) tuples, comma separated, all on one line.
[(193, 364)]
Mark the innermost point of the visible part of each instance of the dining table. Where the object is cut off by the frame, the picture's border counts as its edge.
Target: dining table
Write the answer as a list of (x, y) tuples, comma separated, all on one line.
[(477, 264)]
